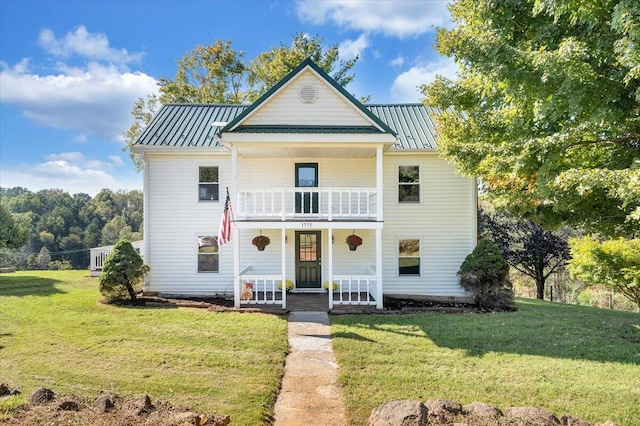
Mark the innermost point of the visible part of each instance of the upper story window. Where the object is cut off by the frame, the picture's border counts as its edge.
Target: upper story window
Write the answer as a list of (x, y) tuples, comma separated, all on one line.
[(409, 184), (208, 185), (409, 257)]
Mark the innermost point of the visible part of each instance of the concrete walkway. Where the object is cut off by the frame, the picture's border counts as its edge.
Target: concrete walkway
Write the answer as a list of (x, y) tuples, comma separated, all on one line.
[(310, 394)]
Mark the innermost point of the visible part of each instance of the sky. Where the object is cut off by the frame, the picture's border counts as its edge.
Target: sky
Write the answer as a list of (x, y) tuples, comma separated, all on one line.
[(70, 71)]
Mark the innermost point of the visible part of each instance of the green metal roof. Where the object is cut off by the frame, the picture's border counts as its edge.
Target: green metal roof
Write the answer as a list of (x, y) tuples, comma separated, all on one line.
[(190, 125)]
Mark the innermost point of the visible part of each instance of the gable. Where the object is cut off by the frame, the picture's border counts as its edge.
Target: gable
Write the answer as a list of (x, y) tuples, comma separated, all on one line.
[(307, 98), (307, 101)]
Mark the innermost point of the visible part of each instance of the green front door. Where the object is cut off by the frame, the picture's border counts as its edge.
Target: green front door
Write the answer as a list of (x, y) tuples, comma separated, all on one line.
[(308, 261)]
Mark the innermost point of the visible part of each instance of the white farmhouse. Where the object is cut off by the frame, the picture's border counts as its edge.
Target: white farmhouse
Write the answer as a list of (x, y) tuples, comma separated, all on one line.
[(307, 166)]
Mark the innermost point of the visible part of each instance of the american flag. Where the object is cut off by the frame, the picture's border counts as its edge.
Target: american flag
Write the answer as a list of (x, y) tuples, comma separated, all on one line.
[(224, 233)]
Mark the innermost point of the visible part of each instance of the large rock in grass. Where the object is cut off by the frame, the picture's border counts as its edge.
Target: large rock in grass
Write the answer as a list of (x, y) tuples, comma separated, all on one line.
[(531, 416), (104, 403), (139, 407), (399, 413), (42, 396), (68, 403), (482, 410)]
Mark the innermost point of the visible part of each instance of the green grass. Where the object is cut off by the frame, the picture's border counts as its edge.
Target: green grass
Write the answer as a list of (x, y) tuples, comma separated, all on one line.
[(55, 333), (566, 359)]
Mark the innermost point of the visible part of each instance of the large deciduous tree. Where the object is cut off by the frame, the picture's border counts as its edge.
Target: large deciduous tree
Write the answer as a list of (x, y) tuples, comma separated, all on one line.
[(12, 235), (546, 109)]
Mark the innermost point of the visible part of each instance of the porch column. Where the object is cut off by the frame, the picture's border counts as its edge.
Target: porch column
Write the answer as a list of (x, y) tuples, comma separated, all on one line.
[(330, 268), (146, 253), (284, 269), (235, 231), (379, 304), (379, 183)]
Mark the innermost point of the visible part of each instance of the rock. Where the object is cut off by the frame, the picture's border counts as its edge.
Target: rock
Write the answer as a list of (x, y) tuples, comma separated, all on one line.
[(42, 396), (607, 423), (69, 403), (399, 413), (572, 421), (448, 405), (4, 389), (15, 391), (481, 409), (215, 420), (140, 406), (531, 416), (104, 403)]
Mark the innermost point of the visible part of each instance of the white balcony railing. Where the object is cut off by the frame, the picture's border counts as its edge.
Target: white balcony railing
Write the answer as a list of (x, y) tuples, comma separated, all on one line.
[(260, 290), (307, 203), (98, 255), (355, 290)]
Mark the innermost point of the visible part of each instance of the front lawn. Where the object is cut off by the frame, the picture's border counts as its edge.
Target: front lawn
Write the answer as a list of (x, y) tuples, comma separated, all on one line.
[(563, 358), (54, 333)]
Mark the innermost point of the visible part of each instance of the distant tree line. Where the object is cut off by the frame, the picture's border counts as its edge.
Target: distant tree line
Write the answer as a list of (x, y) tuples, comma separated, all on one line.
[(51, 229)]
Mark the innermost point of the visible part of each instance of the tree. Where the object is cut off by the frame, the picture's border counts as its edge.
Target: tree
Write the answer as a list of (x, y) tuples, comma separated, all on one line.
[(526, 246), (484, 273), (546, 109), (143, 111), (43, 259), (122, 272), (12, 235), (271, 66), (613, 263)]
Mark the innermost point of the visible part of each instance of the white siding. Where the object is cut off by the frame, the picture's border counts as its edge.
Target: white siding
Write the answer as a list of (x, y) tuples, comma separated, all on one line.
[(176, 219), (329, 109), (443, 221)]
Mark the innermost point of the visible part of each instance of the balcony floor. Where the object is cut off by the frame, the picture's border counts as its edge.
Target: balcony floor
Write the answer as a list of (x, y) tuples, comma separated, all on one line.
[(314, 302)]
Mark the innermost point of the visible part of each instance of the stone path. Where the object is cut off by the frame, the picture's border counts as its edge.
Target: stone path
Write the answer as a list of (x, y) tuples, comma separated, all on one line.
[(310, 394)]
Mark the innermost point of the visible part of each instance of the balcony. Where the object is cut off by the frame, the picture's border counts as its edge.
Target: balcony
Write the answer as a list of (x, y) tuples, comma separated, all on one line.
[(307, 204)]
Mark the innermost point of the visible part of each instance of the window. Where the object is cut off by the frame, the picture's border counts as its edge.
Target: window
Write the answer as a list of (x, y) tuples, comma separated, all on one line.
[(208, 184), (409, 257), (208, 254), (409, 184)]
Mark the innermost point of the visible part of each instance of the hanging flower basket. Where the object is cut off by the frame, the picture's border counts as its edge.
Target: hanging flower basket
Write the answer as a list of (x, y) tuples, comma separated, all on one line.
[(261, 241), (354, 241)]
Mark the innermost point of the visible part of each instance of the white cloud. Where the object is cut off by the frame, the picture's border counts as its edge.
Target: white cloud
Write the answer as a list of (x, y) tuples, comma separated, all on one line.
[(93, 46), (397, 62), (71, 171), (406, 86), (393, 18), (349, 49), (81, 138), (92, 101)]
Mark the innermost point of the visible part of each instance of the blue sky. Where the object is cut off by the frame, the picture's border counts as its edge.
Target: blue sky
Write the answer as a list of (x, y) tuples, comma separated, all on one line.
[(70, 71)]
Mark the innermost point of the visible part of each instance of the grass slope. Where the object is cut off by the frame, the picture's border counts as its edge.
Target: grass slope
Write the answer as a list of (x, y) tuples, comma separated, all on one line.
[(566, 359), (54, 333)]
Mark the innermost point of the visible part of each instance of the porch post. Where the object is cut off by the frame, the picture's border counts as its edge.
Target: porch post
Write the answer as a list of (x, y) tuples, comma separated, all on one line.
[(284, 269), (330, 268), (379, 183), (235, 231), (379, 301)]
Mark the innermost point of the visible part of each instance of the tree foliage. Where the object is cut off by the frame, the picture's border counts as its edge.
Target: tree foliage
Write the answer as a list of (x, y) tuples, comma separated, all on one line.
[(12, 235), (614, 263), (68, 225), (271, 66), (525, 245), (484, 273), (123, 272), (546, 109), (218, 74)]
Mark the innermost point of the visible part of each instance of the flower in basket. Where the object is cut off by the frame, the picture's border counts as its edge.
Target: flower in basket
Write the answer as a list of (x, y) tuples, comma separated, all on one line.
[(261, 241), (334, 287), (289, 285), (354, 240)]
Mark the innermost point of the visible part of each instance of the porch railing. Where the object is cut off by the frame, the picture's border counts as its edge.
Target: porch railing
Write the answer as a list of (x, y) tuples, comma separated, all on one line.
[(98, 255), (355, 290), (260, 290), (307, 203)]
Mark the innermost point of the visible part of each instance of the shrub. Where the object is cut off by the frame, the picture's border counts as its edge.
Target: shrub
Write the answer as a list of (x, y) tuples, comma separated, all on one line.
[(484, 273), (123, 272)]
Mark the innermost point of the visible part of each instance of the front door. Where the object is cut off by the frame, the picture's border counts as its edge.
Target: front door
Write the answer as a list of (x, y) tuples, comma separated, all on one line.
[(308, 261)]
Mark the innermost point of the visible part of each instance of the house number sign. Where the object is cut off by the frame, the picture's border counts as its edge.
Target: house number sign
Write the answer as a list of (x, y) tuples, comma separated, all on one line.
[(306, 225)]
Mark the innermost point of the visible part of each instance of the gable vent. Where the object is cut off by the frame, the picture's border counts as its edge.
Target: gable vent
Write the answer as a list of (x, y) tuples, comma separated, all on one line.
[(308, 93)]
